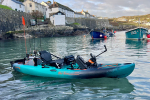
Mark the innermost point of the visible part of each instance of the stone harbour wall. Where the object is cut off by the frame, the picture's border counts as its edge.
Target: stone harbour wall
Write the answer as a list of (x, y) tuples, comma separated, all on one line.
[(11, 20), (89, 22)]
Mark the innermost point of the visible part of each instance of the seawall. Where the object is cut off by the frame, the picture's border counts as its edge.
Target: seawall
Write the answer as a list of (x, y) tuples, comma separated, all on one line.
[(11, 20), (89, 22)]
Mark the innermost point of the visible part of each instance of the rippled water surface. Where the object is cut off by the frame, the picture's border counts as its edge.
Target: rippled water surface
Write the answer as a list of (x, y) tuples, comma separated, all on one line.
[(18, 86)]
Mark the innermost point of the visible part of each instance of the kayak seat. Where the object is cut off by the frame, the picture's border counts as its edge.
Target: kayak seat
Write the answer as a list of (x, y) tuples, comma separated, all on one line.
[(45, 57), (80, 61)]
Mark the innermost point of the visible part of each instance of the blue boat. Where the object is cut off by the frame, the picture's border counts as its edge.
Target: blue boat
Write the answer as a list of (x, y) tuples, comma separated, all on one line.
[(136, 33), (68, 67), (96, 34), (111, 34)]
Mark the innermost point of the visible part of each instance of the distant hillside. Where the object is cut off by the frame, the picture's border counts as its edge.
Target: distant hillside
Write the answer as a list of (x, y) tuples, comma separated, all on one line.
[(136, 18), (141, 20)]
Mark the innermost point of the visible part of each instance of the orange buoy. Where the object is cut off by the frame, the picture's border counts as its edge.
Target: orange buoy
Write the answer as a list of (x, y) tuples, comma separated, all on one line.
[(105, 37), (148, 35)]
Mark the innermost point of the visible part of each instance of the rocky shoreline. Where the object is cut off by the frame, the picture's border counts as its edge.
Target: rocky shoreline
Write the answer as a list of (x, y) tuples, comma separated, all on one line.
[(45, 31), (54, 31)]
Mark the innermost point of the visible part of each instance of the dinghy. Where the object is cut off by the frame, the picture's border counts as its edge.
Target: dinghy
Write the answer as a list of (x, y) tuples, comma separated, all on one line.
[(42, 64)]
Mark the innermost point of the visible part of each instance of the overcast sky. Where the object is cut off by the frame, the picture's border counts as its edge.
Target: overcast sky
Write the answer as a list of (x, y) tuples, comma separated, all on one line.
[(108, 8)]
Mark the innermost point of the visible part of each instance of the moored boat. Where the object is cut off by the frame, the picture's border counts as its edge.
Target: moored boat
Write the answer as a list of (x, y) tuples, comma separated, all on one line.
[(68, 67), (136, 33), (97, 34)]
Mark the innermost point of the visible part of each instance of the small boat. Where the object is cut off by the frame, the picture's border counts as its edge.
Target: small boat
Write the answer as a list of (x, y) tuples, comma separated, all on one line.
[(42, 64), (136, 33), (111, 34), (97, 34)]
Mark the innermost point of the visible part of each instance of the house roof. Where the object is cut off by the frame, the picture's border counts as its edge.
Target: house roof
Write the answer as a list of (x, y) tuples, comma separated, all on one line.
[(56, 4), (35, 3), (51, 14), (49, 4), (17, 2), (79, 13)]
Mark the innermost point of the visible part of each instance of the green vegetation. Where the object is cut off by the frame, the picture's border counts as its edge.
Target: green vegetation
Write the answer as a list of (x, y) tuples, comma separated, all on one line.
[(13, 32), (5, 7), (76, 24)]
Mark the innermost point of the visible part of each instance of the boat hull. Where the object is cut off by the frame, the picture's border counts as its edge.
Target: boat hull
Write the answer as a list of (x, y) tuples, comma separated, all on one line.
[(102, 70), (97, 35), (137, 33)]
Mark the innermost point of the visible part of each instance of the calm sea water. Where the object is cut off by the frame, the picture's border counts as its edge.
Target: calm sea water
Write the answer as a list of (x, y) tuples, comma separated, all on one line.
[(18, 86)]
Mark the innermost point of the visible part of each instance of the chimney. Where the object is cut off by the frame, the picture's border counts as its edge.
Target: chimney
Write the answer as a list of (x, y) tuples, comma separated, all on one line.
[(53, 3)]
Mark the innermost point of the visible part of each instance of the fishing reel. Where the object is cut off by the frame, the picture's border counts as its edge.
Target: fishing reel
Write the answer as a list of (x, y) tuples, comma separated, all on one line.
[(92, 61)]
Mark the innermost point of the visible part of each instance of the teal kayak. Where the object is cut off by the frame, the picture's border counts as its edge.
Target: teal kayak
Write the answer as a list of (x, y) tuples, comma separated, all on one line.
[(70, 67), (102, 70)]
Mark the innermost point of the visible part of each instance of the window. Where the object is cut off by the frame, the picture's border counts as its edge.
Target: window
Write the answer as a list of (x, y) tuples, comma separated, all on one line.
[(30, 5), (59, 13), (0, 0)]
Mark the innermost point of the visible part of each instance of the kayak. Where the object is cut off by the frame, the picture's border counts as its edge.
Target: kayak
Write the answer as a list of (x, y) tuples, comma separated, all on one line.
[(103, 70), (70, 67)]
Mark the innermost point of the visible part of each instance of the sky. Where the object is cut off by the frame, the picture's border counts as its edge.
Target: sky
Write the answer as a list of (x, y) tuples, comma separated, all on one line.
[(108, 8)]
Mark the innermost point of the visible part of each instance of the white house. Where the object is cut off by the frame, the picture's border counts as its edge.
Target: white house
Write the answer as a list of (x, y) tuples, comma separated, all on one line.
[(92, 16), (59, 12), (57, 18), (1, 1), (31, 6), (148, 24), (47, 5), (78, 15), (55, 7), (14, 4), (86, 14)]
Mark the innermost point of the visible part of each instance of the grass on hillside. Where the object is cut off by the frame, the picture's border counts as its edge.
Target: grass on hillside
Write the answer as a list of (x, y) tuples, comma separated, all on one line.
[(5, 7), (117, 23), (76, 24)]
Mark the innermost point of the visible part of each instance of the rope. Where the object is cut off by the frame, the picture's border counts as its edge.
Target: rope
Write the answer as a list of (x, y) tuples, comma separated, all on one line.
[(25, 38)]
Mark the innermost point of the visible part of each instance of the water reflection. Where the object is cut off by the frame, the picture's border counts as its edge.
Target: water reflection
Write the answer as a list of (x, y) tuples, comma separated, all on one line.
[(135, 44), (121, 85), (97, 41)]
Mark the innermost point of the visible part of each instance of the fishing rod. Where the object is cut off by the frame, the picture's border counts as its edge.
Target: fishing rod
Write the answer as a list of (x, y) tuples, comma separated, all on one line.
[(103, 51), (55, 56), (100, 53)]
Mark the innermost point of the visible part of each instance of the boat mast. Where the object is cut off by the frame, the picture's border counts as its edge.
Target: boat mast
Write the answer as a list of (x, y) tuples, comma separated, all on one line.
[(140, 28)]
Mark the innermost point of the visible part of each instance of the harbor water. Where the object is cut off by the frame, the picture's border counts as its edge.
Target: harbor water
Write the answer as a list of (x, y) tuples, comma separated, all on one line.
[(19, 86)]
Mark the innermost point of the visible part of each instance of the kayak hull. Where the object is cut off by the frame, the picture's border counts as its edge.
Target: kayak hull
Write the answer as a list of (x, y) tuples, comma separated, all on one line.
[(102, 70)]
